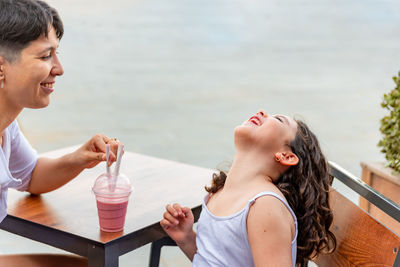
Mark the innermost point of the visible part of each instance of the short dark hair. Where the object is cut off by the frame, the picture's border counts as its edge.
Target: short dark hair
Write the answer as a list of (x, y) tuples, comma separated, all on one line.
[(23, 21)]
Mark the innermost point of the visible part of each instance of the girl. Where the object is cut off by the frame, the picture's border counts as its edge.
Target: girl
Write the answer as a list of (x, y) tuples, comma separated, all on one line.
[(271, 209)]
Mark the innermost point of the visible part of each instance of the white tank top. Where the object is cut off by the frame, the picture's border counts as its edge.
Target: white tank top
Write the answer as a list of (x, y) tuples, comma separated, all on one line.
[(223, 241)]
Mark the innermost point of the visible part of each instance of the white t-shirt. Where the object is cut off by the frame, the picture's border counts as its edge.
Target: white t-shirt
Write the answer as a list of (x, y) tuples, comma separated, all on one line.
[(17, 161)]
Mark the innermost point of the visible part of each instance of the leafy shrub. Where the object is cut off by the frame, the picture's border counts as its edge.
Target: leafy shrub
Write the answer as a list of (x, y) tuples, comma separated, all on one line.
[(390, 126)]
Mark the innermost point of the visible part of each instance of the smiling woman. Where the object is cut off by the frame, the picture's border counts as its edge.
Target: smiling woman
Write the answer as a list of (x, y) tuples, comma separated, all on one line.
[(30, 31), (28, 60)]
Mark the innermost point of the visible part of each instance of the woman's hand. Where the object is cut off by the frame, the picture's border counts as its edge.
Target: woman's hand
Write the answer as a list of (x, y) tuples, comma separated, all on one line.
[(178, 223), (70, 165), (94, 151)]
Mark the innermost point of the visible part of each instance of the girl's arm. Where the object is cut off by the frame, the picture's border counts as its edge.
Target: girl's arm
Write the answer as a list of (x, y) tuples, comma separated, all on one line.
[(189, 246), (178, 224), (270, 231)]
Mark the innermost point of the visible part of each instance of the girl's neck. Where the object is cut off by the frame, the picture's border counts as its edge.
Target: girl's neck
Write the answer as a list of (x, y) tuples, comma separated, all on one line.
[(248, 169)]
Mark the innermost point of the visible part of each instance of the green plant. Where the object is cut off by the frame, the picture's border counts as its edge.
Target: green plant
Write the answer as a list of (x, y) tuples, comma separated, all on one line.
[(390, 126)]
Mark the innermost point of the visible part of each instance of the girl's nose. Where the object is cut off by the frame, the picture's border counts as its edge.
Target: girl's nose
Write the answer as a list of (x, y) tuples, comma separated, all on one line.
[(262, 113)]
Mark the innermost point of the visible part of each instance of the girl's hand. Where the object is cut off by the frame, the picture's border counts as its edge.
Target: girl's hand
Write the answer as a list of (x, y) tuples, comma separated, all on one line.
[(94, 151), (178, 223)]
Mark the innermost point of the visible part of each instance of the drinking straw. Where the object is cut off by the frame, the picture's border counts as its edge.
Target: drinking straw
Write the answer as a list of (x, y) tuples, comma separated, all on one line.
[(108, 158), (119, 156)]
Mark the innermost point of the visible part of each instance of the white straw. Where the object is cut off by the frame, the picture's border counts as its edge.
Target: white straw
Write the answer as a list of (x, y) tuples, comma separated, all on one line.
[(119, 156), (108, 158)]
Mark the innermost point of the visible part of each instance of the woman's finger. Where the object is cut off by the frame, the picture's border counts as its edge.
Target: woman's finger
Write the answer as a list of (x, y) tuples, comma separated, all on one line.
[(114, 149), (114, 143), (95, 156), (99, 142), (105, 138)]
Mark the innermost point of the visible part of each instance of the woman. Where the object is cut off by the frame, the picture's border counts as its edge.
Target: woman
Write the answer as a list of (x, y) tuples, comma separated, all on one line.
[(30, 31), (271, 209)]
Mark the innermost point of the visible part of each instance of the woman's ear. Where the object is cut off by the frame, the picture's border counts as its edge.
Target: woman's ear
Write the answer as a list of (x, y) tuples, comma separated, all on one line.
[(2, 61), (1, 73), (287, 158)]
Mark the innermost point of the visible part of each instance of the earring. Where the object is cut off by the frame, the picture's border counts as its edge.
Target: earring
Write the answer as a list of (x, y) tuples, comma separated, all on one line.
[(2, 84), (278, 159)]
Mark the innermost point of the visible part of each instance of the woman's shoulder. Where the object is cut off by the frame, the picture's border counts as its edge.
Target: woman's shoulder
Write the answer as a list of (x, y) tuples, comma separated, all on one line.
[(12, 128)]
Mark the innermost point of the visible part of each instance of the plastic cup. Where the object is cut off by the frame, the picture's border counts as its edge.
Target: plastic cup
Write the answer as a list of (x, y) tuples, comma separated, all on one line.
[(112, 197)]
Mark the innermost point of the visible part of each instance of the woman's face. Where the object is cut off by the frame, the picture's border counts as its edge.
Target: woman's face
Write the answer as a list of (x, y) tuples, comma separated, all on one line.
[(29, 80), (266, 133)]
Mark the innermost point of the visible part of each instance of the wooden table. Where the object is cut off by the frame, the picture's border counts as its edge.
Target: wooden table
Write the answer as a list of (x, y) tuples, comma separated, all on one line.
[(67, 218)]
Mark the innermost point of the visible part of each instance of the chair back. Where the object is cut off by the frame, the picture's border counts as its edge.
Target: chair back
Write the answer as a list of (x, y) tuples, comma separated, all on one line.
[(361, 239)]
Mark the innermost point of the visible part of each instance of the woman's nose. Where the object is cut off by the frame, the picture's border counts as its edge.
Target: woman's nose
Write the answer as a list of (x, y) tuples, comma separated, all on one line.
[(58, 69), (262, 113)]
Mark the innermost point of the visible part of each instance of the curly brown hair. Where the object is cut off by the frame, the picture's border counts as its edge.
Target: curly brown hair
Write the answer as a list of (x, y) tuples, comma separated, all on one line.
[(306, 188)]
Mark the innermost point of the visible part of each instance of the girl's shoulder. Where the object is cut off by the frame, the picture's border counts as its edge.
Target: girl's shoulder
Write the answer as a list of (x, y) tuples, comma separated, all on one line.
[(271, 200), (268, 189), (270, 210)]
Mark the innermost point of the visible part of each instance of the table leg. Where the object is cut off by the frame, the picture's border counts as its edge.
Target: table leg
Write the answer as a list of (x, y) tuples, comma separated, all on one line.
[(155, 251), (103, 257)]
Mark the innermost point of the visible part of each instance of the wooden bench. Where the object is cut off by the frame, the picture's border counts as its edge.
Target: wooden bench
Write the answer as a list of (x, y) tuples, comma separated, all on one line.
[(42, 260), (361, 239)]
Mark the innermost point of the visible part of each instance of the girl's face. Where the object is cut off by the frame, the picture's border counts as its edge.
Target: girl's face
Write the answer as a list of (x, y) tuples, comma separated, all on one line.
[(29, 80), (266, 133)]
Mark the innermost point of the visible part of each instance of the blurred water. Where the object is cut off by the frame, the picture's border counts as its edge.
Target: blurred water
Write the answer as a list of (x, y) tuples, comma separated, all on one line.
[(173, 78)]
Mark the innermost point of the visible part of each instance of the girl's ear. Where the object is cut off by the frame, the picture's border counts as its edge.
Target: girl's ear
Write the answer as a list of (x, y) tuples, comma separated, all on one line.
[(287, 158)]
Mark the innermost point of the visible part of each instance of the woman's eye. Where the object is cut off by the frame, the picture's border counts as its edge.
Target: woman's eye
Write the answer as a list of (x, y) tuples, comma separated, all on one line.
[(279, 119), (46, 57)]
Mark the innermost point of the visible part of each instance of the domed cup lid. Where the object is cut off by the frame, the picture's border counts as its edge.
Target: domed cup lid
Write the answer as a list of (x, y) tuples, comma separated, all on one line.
[(111, 185)]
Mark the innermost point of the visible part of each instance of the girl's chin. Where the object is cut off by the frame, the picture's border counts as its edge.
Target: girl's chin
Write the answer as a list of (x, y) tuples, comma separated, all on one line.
[(239, 129), (246, 126), (242, 132)]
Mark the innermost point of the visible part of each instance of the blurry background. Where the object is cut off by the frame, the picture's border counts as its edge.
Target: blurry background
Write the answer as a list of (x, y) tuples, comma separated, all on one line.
[(173, 78)]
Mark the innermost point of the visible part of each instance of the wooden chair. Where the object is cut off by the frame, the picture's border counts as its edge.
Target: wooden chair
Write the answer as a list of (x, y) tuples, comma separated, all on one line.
[(361, 240), (42, 260)]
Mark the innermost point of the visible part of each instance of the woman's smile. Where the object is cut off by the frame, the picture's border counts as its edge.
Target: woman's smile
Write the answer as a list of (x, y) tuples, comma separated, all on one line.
[(47, 87)]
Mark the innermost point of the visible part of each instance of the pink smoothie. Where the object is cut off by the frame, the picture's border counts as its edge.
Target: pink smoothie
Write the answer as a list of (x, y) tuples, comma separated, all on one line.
[(112, 215)]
